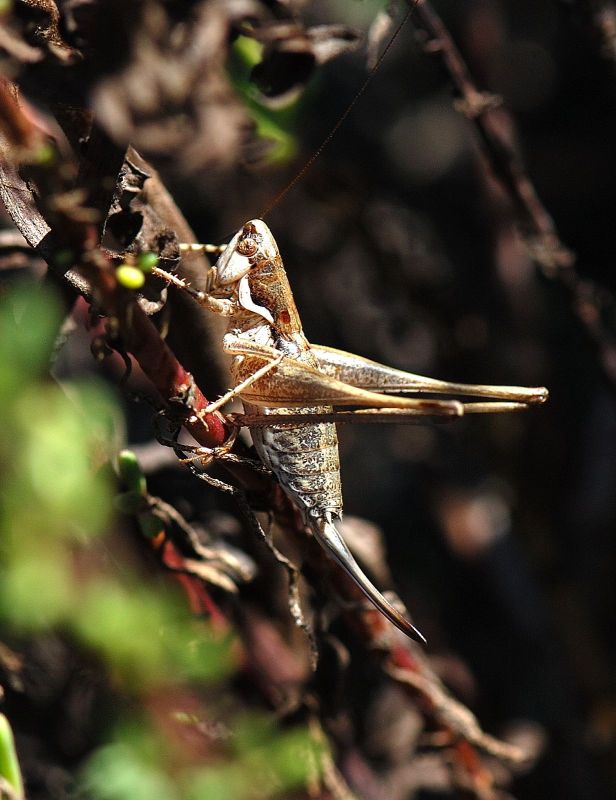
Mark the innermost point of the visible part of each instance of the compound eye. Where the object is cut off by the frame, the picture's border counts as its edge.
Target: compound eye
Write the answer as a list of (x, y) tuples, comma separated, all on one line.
[(247, 247)]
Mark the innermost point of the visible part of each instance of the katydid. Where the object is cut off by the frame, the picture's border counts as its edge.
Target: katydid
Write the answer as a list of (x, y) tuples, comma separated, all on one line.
[(291, 390)]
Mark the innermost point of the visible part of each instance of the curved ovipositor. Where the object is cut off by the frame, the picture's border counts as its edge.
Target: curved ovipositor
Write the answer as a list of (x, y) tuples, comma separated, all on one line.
[(328, 536)]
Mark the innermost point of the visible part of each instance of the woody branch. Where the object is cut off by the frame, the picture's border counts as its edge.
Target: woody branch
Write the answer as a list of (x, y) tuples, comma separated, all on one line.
[(495, 129)]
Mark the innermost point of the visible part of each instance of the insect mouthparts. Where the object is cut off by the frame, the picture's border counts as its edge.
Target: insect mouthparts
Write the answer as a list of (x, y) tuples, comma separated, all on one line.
[(247, 247), (249, 241)]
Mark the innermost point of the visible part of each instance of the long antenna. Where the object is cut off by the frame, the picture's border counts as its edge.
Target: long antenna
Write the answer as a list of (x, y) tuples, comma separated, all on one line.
[(342, 117)]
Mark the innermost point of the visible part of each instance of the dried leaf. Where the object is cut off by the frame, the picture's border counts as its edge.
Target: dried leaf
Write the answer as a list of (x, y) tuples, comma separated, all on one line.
[(13, 45), (41, 20), (291, 54)]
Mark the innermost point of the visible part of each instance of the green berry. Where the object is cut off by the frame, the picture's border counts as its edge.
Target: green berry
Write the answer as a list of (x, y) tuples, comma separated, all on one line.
[(130, 472), (130, 277), (147, 261)]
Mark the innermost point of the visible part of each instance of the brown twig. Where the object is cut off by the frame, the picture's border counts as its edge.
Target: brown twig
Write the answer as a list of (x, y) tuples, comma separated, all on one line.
[(195, 333), (64, 229), (495, 129)]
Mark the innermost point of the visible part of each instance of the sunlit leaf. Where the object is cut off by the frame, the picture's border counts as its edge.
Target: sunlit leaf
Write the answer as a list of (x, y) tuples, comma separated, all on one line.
[(36, 591), (148, 637), (119, 772), (29, 322), (9, 764)]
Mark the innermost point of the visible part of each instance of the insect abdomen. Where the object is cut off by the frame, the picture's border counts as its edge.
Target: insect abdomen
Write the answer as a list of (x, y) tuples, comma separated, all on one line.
[(305, 460)]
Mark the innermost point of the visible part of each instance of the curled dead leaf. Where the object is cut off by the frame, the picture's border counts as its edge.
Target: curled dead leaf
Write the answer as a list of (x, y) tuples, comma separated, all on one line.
[(39, 21), (291, 54)]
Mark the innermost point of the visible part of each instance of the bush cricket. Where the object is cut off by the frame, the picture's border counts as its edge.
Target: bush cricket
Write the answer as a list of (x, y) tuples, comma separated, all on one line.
[(291, 390)]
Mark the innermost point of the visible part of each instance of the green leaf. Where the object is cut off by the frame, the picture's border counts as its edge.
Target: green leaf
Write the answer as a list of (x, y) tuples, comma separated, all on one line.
[(284, 143), (55, 463), (37, 591), (276, 126), (9, 764), (29, 322), (149, 638), (119, 772), (224, 782)]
